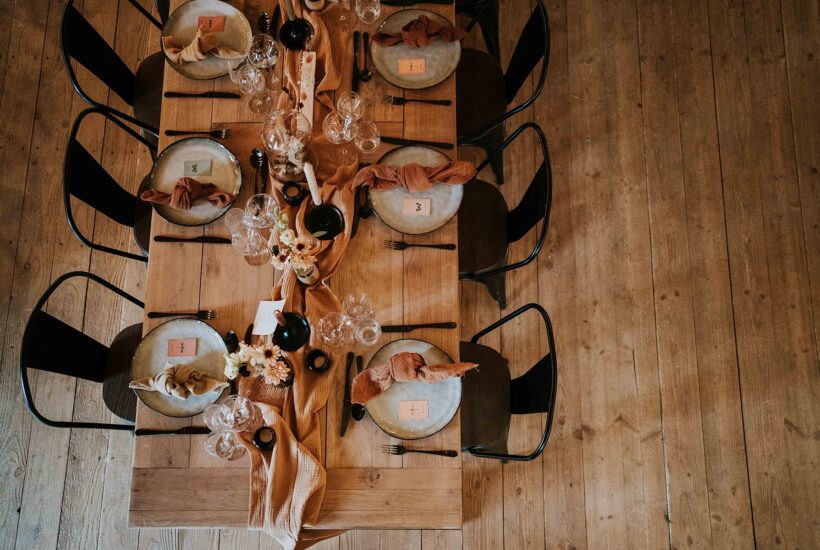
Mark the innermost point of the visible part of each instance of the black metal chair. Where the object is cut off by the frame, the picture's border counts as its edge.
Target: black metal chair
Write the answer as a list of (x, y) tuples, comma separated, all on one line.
[(163, 7), (485, 14), (87, 358), (490, 397), (141, 90), (484, 92), (85, 179), (486, 227)]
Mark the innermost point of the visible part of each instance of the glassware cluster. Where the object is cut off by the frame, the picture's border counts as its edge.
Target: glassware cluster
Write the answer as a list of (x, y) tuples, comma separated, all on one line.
[(252, 227), (347, 124), (255, 75), (339, 330), (234, 414)]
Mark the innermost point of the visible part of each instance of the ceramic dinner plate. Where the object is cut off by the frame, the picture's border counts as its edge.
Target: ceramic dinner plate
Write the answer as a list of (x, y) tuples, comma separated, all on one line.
[(439, 58), (170, 166), (444, 200), (442, 398), (183, 24), (152, 355)]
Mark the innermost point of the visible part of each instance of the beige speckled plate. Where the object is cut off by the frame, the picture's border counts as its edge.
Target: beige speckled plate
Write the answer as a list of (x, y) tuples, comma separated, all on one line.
[(183, 24), (440, 58), (151, 356), (170, 166), (443, 398), (444, 199)]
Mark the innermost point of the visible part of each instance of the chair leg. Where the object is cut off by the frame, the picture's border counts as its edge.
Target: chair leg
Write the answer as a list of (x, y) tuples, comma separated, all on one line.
[(497, 289)]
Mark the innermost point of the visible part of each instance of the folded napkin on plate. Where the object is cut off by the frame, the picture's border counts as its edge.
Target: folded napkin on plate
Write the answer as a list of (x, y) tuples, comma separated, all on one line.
[(420, 32), (180, 381), (414, 176), (404, 367), (203, 46), (186, 191)]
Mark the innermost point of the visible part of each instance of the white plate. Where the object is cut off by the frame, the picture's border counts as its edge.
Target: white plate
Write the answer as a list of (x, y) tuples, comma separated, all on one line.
[(444, 199), (183, 24), (443, 398), (170, 166), (440, 58), (151, 356)]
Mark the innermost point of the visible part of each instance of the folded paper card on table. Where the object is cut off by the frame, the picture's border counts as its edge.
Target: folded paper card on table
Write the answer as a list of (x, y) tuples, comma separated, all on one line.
[(413, 410), (411, 66), (416, 207), (182, 347), (212, 23), (195, 168), (265, 321)]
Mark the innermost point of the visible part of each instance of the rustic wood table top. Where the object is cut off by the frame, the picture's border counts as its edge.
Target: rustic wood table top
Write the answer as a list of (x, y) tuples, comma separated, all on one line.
[(175, 483)]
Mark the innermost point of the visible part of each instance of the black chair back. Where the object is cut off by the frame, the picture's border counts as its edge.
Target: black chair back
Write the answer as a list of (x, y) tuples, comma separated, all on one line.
[(45, 333), (534, 392), (85, 179), (82, 43)]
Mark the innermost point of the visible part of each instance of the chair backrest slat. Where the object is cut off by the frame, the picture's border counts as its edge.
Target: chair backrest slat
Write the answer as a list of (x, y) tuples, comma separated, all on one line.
[(84, 44), (45, 334), (530, 210), (532, 46)]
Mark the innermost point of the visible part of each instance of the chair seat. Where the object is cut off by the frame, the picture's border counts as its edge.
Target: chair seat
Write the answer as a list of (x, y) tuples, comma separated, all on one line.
[(481, 95), (142, 219), (118, 397), (482, 227), (485, 401), (148, 91)]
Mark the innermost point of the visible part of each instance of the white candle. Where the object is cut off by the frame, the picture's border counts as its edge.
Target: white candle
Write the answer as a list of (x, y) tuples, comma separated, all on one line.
[(313, 184)]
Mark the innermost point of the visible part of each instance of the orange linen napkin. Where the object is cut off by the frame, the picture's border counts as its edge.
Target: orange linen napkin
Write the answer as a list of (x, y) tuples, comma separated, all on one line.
[(180, 381), (186, 191), (402, 367), (420, 32), (414, 176), (203, 46), (287, 484)]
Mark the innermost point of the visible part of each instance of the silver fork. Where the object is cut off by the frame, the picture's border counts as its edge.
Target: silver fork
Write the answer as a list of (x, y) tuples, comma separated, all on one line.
[(400, 450), (220, 133), (395, 100), (205, 314), (401, 245)]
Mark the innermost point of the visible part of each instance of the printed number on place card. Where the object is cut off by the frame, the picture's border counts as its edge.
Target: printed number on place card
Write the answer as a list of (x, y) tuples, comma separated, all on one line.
[(415, 207), (195, 168), (411, 66), (413, 410), (182, 347), (212, 23)]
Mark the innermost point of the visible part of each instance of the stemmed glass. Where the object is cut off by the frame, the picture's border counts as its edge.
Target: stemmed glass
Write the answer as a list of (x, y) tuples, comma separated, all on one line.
[(263, 54), (335, 330), (367, 138), (367, 10), (261, 212), (359, 310), (344, 17), (350, 106), (236, 413), (339, 131), (251, 81), (246, 237)]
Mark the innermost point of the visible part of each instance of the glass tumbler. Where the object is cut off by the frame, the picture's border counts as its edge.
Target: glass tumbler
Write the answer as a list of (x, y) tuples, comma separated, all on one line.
[(368, 10), (335, 330), (367, 138), (224, 445), (357, 306), (367, 332)]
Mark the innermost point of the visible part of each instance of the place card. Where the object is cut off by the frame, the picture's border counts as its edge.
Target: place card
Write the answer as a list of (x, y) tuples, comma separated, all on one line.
[(212, 23), (182, 347), (198, 167), (413, 410), (265, 323), (411, 66), (415, 207)]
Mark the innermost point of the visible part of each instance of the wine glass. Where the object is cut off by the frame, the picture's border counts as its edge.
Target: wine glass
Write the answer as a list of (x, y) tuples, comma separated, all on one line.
[(335, 330), (357, 306), (233, 68), (343, 17), (224, 445), (252, 245), (263, 54), (368, 10), (367, 332), (367, 136), (350, 106), (262, 211), (236, 220), (339, 131), (251, 81)]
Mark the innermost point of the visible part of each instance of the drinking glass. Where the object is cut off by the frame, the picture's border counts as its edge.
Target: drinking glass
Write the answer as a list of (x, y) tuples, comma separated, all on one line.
[(233, 70), (357, 306), (236, 220), (262, 211), (343, 17), (367, 332), (241, 414), (251, 81), (335, 330), (339, 131), (252, 245), (368, 10), (224, 445), (367, 136), (263, 54), (350, 106)]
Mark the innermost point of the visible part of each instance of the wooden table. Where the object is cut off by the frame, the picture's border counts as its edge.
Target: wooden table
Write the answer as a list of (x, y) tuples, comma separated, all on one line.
[(175, 483)]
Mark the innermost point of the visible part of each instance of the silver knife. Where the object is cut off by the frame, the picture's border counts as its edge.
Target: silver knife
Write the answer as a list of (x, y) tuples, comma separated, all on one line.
[(346, 404), (408, 328), (211, 95), (187, 430), (402, 141), (210, 239)]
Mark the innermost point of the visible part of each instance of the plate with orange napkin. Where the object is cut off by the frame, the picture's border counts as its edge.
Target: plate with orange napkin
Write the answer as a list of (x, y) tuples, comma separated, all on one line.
[(416, 49), (414, 409), (193, 181), (202, 38)]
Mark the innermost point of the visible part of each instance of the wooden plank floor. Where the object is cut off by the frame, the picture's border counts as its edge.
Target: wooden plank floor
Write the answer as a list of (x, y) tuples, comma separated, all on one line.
[(682, 273)]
